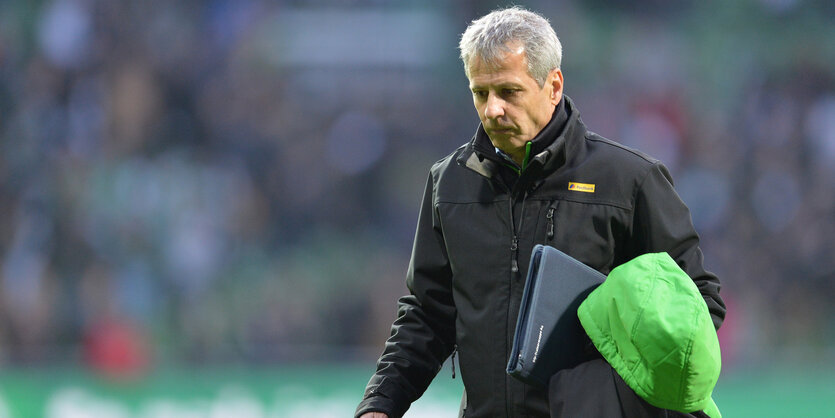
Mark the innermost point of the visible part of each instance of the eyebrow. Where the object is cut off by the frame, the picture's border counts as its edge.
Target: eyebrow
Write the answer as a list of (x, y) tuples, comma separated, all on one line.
[(508, 84)]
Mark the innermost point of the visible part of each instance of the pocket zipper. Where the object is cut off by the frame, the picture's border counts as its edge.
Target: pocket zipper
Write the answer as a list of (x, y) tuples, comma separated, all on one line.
[(550, 226), (454, 350)]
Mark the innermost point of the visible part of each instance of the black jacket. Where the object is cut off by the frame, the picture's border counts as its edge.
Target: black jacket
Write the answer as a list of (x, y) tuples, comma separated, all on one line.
[(473, 242)]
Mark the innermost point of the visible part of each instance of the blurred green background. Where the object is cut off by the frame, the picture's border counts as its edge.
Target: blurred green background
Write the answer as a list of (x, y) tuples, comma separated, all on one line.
[(207, 206), (331, 391)]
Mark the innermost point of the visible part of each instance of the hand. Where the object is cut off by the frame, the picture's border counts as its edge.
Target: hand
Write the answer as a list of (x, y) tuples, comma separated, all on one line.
[(374, 415)]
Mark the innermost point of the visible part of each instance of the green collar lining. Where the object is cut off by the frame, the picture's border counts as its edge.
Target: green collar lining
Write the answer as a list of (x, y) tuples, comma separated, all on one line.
[(513, 166), (527, 155)]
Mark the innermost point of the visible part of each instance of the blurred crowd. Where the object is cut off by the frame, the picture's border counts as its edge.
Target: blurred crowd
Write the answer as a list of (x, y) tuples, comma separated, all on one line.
[(211, 181)]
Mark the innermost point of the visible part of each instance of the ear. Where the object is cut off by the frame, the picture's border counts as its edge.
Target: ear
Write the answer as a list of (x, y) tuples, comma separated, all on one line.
[(555, 81)]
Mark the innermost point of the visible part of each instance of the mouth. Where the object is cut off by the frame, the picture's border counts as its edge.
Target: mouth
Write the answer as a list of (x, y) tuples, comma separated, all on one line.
[(500, 131)]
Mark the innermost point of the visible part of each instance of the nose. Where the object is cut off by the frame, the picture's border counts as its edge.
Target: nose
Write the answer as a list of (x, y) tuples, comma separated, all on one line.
[(495, 107)]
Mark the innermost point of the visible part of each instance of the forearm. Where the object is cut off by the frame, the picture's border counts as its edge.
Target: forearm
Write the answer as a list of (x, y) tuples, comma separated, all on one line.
[(413, 355), (423, 335)]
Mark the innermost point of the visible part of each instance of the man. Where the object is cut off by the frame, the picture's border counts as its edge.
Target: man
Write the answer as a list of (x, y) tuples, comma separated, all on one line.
[(531, 174)]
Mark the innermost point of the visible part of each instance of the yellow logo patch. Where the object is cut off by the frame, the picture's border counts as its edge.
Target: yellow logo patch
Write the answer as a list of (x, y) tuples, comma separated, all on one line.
[(581, 187)]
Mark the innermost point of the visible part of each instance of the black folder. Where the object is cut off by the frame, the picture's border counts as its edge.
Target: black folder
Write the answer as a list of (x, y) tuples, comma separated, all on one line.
[(548, 335)]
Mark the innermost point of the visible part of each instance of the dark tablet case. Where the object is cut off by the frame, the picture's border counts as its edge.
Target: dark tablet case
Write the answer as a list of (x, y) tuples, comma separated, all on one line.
[(548, 335)]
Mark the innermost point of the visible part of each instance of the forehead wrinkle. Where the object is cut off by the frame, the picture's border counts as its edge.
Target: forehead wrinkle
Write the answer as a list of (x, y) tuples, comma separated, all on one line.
[(493, 74)]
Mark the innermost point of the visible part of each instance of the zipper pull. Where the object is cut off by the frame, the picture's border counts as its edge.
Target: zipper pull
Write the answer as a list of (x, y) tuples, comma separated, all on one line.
[(550, 229), (514, 247), (454, 350)]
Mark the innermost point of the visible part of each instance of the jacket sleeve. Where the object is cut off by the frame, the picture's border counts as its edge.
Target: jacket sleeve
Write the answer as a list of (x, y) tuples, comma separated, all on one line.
[(662, 222), (423, 335)]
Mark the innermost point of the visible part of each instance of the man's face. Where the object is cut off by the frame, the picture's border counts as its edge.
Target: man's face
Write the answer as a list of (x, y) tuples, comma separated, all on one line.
[(513, 108)]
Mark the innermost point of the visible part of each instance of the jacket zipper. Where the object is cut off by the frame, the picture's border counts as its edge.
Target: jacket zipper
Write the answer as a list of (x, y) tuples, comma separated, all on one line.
[(514, 268), (514, 242)]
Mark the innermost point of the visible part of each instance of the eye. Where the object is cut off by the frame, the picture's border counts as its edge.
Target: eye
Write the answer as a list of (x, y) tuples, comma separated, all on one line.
[(481, 94), (510, 92)]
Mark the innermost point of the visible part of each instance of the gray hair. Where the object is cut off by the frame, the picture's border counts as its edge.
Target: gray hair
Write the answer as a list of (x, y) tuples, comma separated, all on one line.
[(488, 36)]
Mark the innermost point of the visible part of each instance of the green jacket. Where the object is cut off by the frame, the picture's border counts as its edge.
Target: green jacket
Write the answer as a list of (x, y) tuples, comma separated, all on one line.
[(652, 325)]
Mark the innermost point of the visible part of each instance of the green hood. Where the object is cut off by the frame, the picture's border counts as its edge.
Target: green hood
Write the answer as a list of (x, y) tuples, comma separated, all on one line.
[(650, 322)]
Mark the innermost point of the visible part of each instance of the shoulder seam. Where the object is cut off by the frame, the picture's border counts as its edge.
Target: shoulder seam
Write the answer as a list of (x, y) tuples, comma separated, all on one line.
[(591, 136)]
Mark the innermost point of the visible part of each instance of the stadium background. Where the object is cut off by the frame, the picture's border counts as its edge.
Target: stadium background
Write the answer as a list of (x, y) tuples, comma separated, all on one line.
[(206, 207)]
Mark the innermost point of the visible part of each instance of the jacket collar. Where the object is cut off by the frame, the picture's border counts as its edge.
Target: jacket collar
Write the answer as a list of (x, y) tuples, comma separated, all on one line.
[(547, 148)]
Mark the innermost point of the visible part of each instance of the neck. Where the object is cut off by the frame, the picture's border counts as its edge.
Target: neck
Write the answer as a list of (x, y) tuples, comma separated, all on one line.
[(518, 154)]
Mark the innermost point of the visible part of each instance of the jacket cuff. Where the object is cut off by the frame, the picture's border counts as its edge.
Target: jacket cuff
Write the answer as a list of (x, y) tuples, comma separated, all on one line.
[(384, 398), (376, 404)]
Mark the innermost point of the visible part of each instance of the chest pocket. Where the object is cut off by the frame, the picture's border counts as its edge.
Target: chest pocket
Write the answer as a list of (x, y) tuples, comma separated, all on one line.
[(589, 232)]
